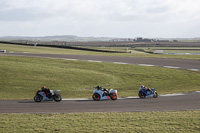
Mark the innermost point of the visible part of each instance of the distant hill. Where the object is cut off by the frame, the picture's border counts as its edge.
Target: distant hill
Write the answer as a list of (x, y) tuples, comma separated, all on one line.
[(69, 38), (74, 38)]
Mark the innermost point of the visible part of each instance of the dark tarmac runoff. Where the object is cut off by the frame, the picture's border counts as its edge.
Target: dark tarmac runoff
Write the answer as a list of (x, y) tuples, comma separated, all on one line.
[(162, 103)]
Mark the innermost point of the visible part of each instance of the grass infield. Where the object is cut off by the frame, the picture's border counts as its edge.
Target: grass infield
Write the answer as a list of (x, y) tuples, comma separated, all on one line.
[(22, 76), (148, 122)]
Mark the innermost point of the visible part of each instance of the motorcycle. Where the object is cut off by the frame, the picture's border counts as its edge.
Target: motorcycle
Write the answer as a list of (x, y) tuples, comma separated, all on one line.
[(43, 96), (144, 93), (103, 94)]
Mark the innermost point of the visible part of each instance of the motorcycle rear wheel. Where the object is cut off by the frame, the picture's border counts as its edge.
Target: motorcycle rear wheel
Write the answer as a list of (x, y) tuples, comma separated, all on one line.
[(57, 98), (38, 98), (113, 96)]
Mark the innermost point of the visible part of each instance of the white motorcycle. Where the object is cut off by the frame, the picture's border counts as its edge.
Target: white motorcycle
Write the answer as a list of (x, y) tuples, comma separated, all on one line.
[(43, 96)]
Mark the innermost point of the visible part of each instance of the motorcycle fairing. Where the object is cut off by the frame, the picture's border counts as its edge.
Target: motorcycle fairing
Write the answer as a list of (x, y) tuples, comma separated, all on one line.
[(44, 97), (147, 92), (102, 97)]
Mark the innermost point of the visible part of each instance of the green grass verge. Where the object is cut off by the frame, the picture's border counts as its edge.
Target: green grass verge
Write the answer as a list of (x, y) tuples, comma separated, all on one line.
[(45, 50), (148, 122), (22, 76)]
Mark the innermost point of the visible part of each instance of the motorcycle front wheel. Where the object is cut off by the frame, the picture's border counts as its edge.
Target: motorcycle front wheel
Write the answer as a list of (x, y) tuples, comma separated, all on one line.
[(38, 98), (57, 98), (96, 97), (155, 95), (141, 95)]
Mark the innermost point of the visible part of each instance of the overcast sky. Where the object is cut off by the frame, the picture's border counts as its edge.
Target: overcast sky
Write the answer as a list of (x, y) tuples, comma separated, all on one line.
[(100, 18)]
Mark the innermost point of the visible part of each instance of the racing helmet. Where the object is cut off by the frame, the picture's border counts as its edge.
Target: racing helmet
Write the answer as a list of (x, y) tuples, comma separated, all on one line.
[(43, 87), (142, 86)]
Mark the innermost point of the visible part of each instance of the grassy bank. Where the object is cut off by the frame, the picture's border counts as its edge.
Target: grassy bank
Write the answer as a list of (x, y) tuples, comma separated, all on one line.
[(22, 76), (45, 50), (185, 121)]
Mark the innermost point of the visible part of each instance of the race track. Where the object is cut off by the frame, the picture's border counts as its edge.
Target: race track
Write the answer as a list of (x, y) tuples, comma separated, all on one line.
[(189, 101), (193, 65)]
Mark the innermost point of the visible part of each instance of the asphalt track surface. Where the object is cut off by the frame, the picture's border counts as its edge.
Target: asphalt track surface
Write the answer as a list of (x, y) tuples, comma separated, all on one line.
[(189, 101), (193, 65)]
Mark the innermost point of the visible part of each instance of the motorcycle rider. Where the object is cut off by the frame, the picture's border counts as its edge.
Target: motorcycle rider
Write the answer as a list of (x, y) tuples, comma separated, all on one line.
[(106, 93), (99, 87), (47, 91), (145, 88), (142, 87), (103, 89)]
